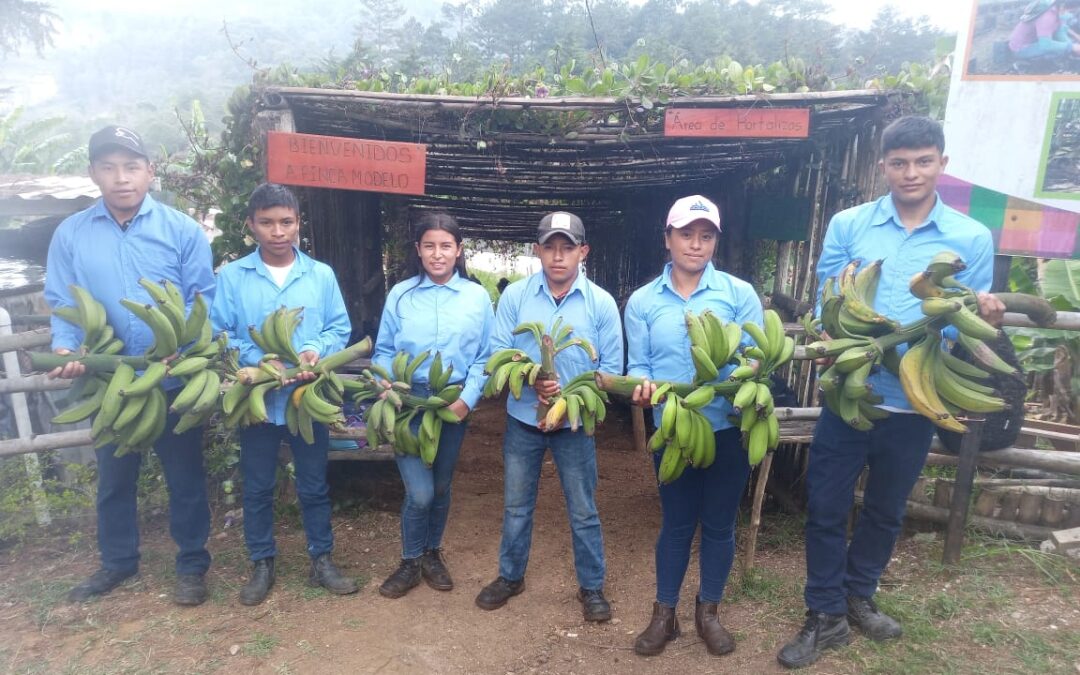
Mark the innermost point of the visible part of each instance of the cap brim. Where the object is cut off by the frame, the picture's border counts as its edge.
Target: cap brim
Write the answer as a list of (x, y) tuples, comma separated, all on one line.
[(683, 222), (540, 239), (109, 147)]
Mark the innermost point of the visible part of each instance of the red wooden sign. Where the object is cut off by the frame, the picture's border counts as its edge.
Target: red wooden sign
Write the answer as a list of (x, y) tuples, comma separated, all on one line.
[(737, 122), (346, 163)]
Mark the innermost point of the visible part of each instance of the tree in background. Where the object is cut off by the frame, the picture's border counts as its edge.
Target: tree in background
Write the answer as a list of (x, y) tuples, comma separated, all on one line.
[(26, 22)]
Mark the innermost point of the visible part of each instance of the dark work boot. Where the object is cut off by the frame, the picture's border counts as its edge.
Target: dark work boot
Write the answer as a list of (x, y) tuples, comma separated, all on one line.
[(662, 629), (717, 639), (495, 594), (864, 614), (260, 583), (99, 583), (324, 573), (820, 632), (434, 570), (405, 578), (190, 589), (594, 606)]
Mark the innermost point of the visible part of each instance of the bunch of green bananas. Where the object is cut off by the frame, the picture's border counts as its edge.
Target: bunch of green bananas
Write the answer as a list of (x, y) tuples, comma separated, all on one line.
[(275, 337), (941, 387), (389, 418), (753, 401), (244, 401), (581, 403), (713, 344), (511, 367), (89, 314), (859, 341), (131, 409), (685, 434)]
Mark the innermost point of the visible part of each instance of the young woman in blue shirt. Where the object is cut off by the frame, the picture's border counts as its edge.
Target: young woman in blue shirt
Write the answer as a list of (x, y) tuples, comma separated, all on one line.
[(658, 349), (438, 310)]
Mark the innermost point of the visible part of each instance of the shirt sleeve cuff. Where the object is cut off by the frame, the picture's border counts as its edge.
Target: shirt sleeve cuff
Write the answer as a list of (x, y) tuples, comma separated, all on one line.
[(471, 395)]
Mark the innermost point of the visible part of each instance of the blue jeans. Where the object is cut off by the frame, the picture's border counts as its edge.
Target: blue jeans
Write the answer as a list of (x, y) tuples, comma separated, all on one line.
[(708, 496), (259, 446), (427, 492), (524, 447), (895, 450), (181, 459)]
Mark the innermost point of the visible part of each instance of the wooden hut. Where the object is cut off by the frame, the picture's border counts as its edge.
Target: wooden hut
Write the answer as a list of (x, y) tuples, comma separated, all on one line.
[(498, 164)]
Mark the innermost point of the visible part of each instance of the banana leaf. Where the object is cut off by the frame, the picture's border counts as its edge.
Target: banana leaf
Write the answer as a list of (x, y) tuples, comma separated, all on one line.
[(1061, 284)]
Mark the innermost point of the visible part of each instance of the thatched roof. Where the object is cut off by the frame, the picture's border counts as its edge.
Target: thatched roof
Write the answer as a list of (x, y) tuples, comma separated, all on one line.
[(498, 164)]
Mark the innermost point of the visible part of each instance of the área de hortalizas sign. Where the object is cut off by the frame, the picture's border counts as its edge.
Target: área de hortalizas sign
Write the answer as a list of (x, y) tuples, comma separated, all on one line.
[(346, 163), (737, 122)]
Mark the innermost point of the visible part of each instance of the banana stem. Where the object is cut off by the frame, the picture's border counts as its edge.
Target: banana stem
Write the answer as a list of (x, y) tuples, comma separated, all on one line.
[(547, 371), (623, 385), (1037, 309), (98, 363)]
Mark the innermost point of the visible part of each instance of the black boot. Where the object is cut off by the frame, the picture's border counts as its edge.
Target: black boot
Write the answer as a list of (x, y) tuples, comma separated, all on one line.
[(594, 606), (190, 589), (863, 612), (718, 640), (99, 583), (495, 594), (260, 583), (405, 578), (434, 570), (820, 632), (324, 573), (662, 629)]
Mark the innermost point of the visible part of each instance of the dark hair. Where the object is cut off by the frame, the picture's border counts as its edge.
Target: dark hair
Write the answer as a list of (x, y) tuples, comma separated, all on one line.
[(269, 195), (912, 132), (432, 220)]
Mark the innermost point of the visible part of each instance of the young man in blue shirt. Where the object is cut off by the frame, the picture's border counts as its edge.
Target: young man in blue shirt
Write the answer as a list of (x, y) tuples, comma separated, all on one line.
[(559, 291), (906, 227), (106, 249), (277, 274)]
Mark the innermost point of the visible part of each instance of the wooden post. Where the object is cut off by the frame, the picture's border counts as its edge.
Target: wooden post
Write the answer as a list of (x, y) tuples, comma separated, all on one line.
[(755, 512), (961, 494)]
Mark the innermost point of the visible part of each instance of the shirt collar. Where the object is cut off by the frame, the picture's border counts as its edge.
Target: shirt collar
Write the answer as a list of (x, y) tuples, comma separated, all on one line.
[(254, 261), (885, 211), (708, 279), (578, 284), (453, 284), (102, 211)]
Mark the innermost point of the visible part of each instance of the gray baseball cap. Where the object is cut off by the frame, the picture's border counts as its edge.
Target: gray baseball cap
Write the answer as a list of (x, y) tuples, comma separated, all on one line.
[(561, 222)]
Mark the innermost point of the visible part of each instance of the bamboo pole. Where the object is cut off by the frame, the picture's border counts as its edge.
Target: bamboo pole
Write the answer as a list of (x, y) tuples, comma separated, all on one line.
[(42, 442), (755, 512), (26, 340)]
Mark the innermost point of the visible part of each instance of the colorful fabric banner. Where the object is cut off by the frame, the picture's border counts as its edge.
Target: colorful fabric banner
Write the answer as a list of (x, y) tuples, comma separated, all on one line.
[(1020, 227)]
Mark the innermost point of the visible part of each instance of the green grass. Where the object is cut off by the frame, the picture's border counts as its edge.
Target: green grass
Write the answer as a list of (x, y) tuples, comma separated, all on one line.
[(261, 645)]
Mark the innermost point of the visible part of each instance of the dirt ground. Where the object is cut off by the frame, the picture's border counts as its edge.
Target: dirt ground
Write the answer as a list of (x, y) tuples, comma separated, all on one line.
[(1004, 610)]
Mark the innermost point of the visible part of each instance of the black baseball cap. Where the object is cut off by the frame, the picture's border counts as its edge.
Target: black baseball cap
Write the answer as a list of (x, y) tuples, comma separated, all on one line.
[(113, 137), (561, 222)]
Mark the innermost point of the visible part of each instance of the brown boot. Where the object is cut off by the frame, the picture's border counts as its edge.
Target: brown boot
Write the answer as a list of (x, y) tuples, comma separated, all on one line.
[(717, 640), (662, 629)]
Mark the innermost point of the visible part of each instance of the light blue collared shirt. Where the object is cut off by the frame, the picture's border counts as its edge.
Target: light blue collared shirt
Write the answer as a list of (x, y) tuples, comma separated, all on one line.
[(658, 344), (91, 250), (454, 319), (872, 231), (589, 309), (247, 294)]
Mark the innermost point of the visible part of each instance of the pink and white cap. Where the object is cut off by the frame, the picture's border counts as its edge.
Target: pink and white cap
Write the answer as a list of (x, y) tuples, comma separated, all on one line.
[(695, 207)]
